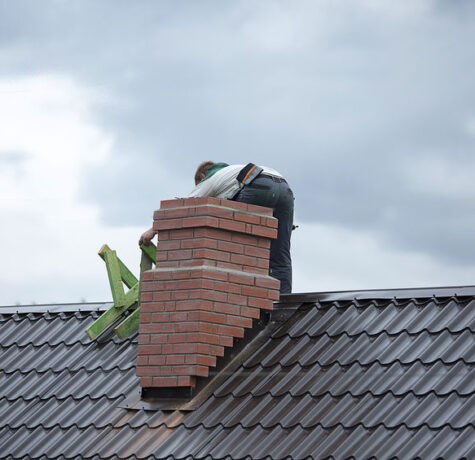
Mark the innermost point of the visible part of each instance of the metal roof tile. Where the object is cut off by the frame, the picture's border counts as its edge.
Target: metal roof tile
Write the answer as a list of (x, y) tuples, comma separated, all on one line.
[(377, 378)]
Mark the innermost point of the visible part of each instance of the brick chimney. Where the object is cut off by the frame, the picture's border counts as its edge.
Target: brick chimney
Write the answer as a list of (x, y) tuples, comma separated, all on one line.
[(210, 282)]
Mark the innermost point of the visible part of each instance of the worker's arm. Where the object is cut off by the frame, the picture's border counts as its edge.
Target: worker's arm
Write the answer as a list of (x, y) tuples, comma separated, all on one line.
[(222, 184), (204, 188), (147, 237)]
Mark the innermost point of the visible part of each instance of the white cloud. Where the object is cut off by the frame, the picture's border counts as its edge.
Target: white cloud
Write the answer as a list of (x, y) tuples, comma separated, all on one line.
[(442, 176), (331, 258), (48, 239)]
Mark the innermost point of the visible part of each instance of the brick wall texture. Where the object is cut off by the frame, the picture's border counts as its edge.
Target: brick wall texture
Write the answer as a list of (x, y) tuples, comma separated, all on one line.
[(211, 280)]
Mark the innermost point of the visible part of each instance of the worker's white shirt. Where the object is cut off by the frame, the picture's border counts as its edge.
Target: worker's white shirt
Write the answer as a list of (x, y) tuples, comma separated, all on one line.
[(223, 183)]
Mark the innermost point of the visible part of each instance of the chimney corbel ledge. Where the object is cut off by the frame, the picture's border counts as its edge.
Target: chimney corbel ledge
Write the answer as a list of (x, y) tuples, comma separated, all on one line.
[(210, 282)]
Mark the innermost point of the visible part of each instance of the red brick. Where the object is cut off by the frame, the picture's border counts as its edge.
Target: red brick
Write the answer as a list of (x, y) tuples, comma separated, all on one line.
[(237, 299), (229, 330), (150, 328), (146, 371), (160, 317), (190, 305), (254, 291), (165, 382), (264, 243), (181, 295), (239, 278), (170, 306), (146, 382), (168, 264), (145, 317), (256, 252), (179, 254), (227, 308), (217, 350), (156, 360), (192, 263), (147, 276), (229, 266), (144, 339), (215, 296), (212, 317), (204, 360), (199, 243), (168, 224), (201, 221), (150, 286), (158, 338), (251, 312), (225, 341), (238, 321), (236, 204), (163, 275), (167, 349), (171, 213), (185, 348), (146, 296), (212, 233), (180, 234), (211, 254), (203, 337), (269, 222), (262, 271), (142, 360), (249, 240), (163, 235), (176, 317), (175, 359), (263, 263), (213, 274), (244, 260), (192, 326), (186, 381), (264, 231), (267, 282), (215, 211), (161, 296), (246, 217), (172, 203), (198, 201), (260, 209), (201, 371), (189, 284), (164, 370), (232, 225), (227, 287), (237, 248), (266, 304), (273, 294)]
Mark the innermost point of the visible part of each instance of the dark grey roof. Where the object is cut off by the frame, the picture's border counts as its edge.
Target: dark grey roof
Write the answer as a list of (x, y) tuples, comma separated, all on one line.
[(363, 374)]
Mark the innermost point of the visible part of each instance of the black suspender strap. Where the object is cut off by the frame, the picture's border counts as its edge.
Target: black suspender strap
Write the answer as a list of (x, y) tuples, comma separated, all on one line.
[(248, 174)]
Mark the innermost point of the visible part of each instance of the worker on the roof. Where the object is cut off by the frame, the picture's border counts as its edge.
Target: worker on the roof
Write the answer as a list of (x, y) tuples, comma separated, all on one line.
[(251, 184)]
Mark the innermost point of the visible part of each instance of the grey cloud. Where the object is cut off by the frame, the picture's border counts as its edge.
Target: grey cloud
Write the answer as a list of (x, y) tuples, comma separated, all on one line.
[(335, 97)]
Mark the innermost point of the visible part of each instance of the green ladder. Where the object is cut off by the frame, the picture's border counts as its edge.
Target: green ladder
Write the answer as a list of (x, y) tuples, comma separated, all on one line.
[(119, 275)]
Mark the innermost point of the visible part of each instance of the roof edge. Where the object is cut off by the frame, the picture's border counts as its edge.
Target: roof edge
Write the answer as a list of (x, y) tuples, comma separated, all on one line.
[(285, 299), (55, 308), (367, 294)]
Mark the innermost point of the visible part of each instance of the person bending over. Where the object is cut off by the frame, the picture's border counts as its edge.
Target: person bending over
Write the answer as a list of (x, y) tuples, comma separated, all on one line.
[(263, 186)]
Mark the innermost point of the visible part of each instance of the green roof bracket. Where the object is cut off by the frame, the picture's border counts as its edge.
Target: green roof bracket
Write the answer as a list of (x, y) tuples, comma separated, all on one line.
[(118, 273)]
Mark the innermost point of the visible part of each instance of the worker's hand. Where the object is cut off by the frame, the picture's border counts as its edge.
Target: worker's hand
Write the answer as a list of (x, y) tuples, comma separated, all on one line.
[(147, 237)]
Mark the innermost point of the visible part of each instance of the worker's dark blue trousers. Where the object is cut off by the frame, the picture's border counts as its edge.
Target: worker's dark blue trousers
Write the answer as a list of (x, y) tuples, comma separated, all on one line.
[(275, 193)]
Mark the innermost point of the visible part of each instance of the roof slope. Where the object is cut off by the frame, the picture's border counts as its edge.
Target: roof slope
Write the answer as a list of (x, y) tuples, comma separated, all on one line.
[(346, 375)]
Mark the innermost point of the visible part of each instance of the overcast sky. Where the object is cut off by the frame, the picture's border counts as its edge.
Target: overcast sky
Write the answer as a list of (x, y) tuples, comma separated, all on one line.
[(366, 107)]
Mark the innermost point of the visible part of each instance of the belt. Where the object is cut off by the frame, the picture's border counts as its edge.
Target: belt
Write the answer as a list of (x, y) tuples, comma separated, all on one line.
[(274, 178)]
